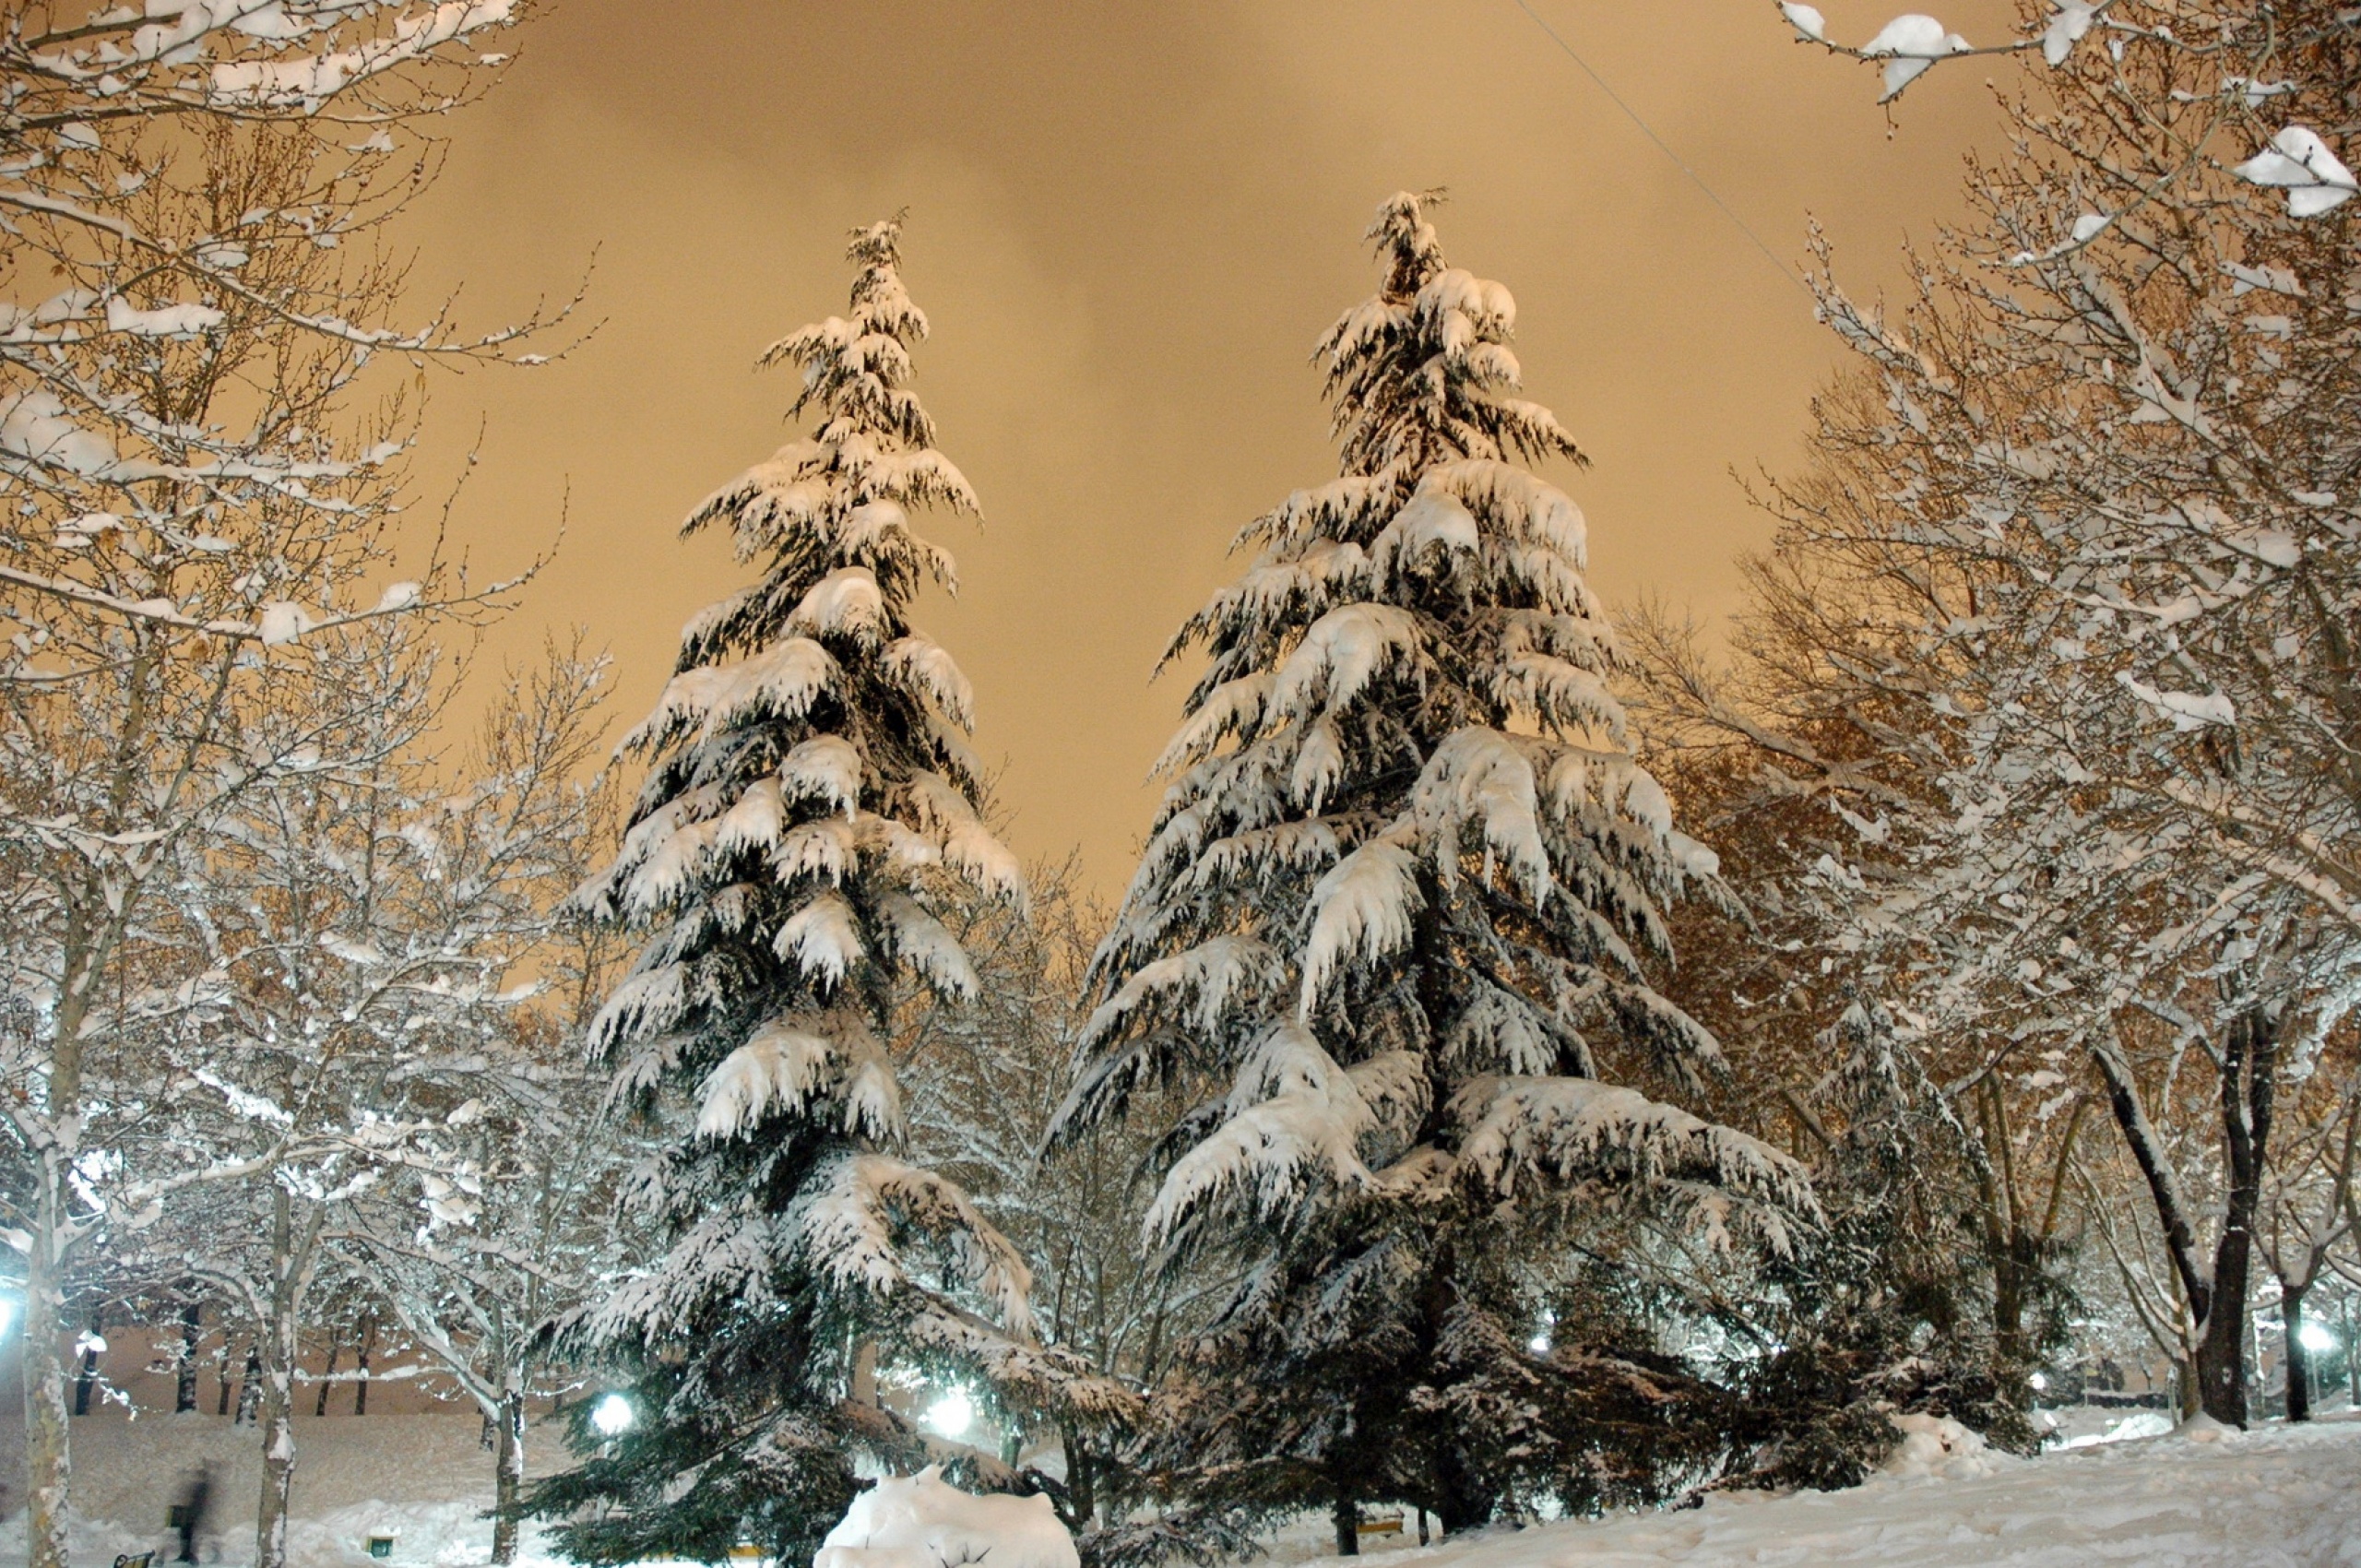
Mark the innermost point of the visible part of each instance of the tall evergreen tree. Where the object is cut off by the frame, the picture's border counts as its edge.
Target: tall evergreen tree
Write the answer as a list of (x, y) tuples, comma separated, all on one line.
[(1394, 919), (810, 795)]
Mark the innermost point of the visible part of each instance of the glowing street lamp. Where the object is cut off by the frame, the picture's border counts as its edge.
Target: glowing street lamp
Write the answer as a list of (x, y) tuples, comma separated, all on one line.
[(612, 1417), (2314, 1336), (952, 1414)]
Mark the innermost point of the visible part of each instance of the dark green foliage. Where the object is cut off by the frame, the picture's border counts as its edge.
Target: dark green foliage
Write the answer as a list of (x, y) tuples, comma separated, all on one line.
[(1890, 1308), (1408, 1365), (781, 1490)]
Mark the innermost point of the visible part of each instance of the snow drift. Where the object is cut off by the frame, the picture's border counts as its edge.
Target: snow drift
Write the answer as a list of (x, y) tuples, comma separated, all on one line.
[(923, 1521)]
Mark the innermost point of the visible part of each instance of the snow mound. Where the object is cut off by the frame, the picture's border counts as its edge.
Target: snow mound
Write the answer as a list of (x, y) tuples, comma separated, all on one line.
[(923, 1521), (1936, 1447), (2111, 1426), (2277, 1496), (2202, 1428)]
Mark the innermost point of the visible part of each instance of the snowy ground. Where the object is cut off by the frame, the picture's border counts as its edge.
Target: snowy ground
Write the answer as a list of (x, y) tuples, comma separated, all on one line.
[(2279, 1497), (425, 1477)]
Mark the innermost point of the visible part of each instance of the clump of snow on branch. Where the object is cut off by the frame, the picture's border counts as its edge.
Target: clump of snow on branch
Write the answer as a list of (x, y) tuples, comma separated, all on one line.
[(2295, 159), (1910, 44), (2314, 179)]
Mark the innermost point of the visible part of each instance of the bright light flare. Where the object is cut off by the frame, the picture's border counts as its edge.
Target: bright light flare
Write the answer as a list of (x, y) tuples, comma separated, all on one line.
[(614, 1416), (2314, 1336), (952, 1414)]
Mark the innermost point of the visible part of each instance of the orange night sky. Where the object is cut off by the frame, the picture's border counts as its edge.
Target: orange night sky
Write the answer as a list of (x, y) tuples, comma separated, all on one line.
[(1129, 222)]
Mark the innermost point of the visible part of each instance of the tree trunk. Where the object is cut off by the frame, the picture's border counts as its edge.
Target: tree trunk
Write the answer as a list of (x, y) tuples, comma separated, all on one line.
[(2163, 1192), (2217, 1299), (508, 1481), (864, 1372), (327, 1378), (361, 1364), (278, 1473), (192, 1333), (48, 1446), (1348, 1522), (2021, 1248), (1462, 1507), (2222, 1342), (250, 1383), (2004, 1230), (1461, 1503), (1082, 1479), (87, 1378), (2299, 1358), (2249, 1069), (290, 1276)]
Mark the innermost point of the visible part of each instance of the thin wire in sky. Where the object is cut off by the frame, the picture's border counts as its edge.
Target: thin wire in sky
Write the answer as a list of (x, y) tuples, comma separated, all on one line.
[(1633, 115)]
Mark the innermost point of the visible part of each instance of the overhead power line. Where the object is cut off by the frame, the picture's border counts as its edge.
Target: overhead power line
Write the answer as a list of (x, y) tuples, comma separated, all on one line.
[(1696, 178)]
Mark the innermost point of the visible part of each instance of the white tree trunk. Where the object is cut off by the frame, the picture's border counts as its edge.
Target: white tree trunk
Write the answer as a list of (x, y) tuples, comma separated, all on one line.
[(508, 1469), (48, 1463), (290, 1272), (278, 1475)]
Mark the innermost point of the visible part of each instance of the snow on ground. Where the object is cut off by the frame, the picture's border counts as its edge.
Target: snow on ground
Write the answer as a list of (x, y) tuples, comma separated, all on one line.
[(425, 1477), (2083, 1425), (2279, 1497)]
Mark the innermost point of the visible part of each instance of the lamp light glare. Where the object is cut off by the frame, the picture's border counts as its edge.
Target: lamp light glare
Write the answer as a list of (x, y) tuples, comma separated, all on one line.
[(614, 1416), (2040, 1381), (2315, 1336), (952, 1414)]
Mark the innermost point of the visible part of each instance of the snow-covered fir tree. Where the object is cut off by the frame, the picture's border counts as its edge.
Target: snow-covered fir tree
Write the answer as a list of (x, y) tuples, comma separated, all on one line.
[(1394, 922), (810, 795)]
